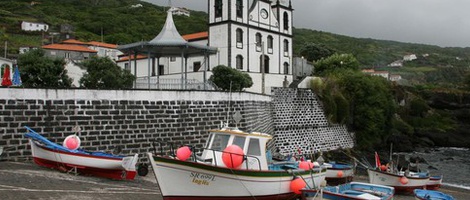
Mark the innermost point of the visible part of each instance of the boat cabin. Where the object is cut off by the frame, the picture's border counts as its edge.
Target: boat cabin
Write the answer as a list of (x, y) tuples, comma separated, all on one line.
[(253, 146)]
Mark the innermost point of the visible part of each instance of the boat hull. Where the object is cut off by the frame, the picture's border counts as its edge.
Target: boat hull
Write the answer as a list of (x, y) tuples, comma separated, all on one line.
[(108, 167), (351, 191), (202, 181), (434, 183), (333, 177), (393, 180), (431, 194)]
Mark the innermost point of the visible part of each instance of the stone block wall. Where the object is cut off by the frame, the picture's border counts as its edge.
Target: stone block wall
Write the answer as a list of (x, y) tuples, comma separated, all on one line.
[(128, 119), (301, 124), (132, 119)]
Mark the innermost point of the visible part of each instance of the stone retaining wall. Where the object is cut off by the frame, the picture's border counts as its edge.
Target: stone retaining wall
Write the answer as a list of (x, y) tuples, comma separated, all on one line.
[(132, 119)]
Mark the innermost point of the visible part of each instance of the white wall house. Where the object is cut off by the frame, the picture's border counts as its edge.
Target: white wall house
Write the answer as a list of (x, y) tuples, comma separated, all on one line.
[(410, 57), (34, 26), (180, 11)]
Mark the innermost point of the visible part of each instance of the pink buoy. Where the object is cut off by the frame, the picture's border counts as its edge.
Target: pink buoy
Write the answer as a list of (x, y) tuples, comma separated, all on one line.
[(296, 185), (233, 156), (306, 165), (183, 153), (340, 174), (72, 142), (404, 180)]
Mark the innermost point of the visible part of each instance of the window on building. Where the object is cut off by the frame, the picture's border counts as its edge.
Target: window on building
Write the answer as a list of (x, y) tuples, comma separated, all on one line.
[(266, 64), (286, 68), (196, 66), (172, 59), (67, 55), (127, 67), (286, 21), (240, 8), (239, 38), (258, 41), (286, 47), (218, 8), (270, 44), (239, 62), (161, 70)]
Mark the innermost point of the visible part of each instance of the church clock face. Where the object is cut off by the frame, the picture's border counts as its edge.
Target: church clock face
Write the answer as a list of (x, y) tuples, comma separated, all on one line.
[(264, 13)]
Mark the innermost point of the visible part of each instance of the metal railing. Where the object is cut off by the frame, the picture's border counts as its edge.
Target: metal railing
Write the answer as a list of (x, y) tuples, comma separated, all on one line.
[(173, 84)]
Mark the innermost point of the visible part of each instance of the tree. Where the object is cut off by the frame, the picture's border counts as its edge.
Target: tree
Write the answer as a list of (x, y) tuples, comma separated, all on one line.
[(314, 52), (336, 62), (228, 78), (40, 71), (103, 73)]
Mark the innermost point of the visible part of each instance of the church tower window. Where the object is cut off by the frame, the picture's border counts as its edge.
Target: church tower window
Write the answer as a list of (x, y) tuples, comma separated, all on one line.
[(240, 8), (218, 8), (270, 44), (258, 41), (286, 21), (239, 38), (286, 47)]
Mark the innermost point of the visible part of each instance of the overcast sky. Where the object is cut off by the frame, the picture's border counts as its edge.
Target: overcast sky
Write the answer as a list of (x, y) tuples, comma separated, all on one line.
[(438, 22)]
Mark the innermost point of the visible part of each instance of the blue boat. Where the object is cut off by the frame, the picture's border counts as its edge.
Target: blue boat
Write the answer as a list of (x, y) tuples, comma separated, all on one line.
[(352, 191), (431, 195)]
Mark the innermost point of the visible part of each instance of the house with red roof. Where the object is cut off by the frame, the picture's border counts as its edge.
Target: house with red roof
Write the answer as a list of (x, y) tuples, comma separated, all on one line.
[(75, 51)]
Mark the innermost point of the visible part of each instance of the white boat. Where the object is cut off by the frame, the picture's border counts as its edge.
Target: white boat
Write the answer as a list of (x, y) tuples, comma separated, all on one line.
[(212, 176), (434, 183), (338, 173), (48, 154), (402, 183)]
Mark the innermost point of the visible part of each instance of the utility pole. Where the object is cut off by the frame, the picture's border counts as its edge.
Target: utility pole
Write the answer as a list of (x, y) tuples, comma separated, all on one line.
[(262, 69)]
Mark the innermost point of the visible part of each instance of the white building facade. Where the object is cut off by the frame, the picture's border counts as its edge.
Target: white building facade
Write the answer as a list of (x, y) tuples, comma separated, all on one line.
[(34, 26), (242, 31)]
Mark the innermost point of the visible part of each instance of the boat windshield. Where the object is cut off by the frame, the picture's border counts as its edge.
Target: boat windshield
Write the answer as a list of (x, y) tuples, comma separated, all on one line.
[(219, 142)]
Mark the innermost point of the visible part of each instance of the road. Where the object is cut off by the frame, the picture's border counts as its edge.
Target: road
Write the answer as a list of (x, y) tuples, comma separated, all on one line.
[(26, 180)]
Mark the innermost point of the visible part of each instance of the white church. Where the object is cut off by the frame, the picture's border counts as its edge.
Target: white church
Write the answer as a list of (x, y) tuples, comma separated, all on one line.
[(241, 33)]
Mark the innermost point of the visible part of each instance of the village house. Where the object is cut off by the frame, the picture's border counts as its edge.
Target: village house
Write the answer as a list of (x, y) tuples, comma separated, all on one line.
[(410, 57), (180, 11), (34, 26), (398, 63), (75, 51)]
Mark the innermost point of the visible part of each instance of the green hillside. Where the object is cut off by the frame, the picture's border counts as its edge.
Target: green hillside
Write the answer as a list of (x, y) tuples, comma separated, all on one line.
[(119, 22)]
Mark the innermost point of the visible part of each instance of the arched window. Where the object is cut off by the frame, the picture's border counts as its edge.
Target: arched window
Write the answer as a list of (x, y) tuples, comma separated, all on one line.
[(239, 8), (270, 42), (286, 21), (258, 39), (218, 8), (286, 47), (239, 36), (266, 64), (239, 62), (286, 68)]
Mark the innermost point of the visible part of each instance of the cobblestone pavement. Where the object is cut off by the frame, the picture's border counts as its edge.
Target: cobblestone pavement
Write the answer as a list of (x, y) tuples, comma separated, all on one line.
[(26, 180)]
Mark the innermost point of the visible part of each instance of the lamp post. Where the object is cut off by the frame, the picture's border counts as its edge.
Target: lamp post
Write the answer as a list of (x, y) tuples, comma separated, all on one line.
[(302, 72)]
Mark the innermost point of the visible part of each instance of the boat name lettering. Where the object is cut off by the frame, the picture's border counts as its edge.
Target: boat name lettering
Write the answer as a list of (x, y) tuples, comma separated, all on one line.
[(201, 179)]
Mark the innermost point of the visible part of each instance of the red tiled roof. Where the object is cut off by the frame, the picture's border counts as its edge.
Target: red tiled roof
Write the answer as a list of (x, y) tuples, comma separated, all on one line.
[(126, 58), (196, 36), (68, 47), (101, 44), (73, 41)]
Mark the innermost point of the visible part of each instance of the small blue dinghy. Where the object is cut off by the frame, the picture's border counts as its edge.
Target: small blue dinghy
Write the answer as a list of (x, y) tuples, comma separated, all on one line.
[(431, 195)]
